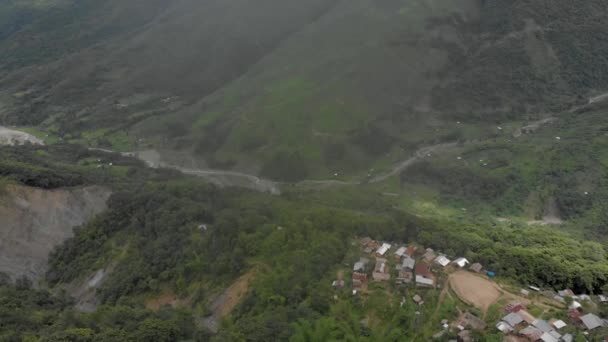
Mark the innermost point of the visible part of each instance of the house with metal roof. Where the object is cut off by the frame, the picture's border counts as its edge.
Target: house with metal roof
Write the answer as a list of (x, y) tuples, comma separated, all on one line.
[(381, 271), (559, 324), (408, 263), (532, 333), (442, 260), (400, 252), (429, 255), (542, 325), (548, 337), (383, 249), (461, 262), (476, 267), (424, 281), (504, 327), (512, 319), (591, 321)]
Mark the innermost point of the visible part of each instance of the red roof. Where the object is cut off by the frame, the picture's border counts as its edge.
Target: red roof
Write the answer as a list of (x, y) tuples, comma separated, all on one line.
[(410, 250), (514, 307), (360, 276), (422, 269)]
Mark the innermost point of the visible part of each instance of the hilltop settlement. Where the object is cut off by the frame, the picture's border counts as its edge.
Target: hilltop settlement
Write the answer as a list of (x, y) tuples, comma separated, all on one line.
[(487, 304)]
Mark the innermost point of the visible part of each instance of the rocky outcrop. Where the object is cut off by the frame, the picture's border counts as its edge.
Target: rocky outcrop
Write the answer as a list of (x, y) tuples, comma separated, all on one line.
[(11, 137), (33, 221)]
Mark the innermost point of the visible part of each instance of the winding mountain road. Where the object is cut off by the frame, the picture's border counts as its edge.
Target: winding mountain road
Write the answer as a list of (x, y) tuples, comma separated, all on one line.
[(224, 178)]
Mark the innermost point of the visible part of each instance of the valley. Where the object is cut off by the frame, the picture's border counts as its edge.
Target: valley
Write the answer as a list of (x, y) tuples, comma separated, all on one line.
[(286, 170)]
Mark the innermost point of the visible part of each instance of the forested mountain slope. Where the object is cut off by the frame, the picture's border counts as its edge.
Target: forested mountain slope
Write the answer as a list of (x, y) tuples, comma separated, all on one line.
[(292, 90), (277, 86), (168, 246)]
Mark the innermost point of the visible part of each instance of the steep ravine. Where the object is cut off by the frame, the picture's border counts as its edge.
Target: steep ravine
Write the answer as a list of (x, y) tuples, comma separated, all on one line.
[(33, 221)]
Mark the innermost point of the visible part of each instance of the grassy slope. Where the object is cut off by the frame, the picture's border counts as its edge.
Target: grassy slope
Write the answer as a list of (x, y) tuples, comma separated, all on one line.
[(559, 169), (327, 86)]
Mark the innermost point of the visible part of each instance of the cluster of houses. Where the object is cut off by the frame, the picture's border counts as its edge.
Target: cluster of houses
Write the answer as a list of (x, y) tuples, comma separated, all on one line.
[(412, 264), (519, 322)]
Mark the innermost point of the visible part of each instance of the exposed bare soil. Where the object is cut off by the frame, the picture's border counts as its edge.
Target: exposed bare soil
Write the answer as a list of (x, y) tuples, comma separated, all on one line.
[(474, 289), (33, 221)]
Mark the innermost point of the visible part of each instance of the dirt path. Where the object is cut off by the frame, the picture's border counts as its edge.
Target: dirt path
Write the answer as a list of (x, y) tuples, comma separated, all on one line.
[(225, 178), (599, 98), (418, 155)]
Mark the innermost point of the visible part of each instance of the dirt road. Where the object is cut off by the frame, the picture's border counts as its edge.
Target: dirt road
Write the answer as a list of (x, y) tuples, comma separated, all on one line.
[(225, 178), (418, 155)]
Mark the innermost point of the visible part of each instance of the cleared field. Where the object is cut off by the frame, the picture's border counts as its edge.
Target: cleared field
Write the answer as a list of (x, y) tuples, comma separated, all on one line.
[(474, 289)]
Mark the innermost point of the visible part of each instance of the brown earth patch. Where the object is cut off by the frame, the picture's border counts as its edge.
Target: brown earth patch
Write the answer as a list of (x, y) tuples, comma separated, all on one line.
[(474, 290), (156, 303)]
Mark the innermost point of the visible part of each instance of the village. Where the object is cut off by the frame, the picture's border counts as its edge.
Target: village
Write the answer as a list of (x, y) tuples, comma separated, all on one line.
[(519, 314)]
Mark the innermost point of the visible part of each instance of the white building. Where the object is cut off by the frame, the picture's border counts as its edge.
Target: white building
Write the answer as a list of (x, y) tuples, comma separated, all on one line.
[(383, 249), (461, 262), (442, 260)]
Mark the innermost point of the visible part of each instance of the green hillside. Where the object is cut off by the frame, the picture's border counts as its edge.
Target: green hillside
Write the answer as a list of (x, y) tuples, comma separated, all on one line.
[(477, 128), (168, 236), (291, 89)]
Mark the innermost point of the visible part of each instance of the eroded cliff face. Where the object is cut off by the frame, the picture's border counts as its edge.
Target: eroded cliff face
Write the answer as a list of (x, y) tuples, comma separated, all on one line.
[(33, 221)]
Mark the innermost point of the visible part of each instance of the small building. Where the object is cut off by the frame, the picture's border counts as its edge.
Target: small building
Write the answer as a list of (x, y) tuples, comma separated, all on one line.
[(408, 263), (567, 338), (542, 325), (524, 292), (359, 280), (575, 305), (472, 321), (422, 269), (513, 319), (369, 245), (404, 277), (591, 321), (526, 316), (514, 307), (584, 297), (559, 298), (383, 249), (504, 327), (381, 271), (603, 299), (429, 255), (424, 281), (442, 260), (532, 333), (558, 324), (461, 262), (360, 265), (418, 300), (400, 252), (534, 288), (548, 337), (411, 250), (566, 293), (476, 267)]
